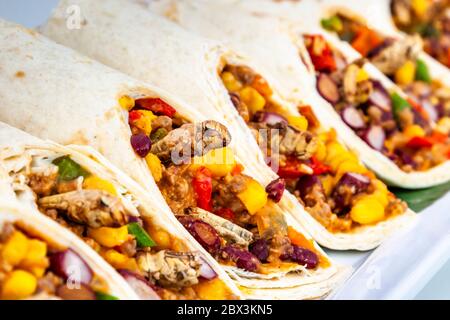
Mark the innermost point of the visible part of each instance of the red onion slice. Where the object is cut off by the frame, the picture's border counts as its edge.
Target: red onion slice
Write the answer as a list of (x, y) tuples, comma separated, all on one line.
[(380, 97), (69, 265), (353, 118), (206, 271), (140, 285), (375, 137), (327, 88), (359, 181), (430, 110), (270, 118)]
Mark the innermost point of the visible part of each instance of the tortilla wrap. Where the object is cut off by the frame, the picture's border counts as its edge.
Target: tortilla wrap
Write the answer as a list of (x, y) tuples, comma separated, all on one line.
[(15, 145), (207, 90), (11, 211), (311, 13), (83, 107)]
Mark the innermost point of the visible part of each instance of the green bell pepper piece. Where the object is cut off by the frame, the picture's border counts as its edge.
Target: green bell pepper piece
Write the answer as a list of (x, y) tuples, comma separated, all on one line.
[(398, 103), (69, 169), (422, 72), (104, 296), (142, 237), (333, 23)]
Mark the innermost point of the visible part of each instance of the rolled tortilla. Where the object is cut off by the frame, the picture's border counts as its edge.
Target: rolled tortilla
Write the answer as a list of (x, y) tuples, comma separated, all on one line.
[(50, 232), (87, 111), (208, 90), (16, 148), (217, 15)]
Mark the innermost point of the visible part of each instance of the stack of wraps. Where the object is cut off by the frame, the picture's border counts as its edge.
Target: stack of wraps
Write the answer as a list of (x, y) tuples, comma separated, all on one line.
[(215, 81), (71, 99)]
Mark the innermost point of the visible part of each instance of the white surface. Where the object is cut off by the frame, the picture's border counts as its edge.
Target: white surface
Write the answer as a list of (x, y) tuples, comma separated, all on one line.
[(403, 265), (388, 272)]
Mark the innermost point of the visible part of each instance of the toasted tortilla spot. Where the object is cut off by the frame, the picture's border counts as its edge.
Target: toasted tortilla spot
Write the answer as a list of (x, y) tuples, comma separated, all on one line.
[(110, 114), (20, 74), (79, 138)]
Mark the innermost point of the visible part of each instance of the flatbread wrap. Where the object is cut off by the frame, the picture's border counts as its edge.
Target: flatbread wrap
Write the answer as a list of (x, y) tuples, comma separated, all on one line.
[(40, 260), (84, 193), (315, 166), (154, 138)]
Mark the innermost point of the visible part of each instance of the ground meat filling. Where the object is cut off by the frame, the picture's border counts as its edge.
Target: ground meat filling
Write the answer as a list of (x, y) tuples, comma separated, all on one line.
[(413, 132), (93, 209), (218, 204), (294, 144)]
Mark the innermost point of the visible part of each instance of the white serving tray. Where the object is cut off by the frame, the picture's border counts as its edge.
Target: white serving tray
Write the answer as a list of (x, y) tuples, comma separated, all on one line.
[(398, 269)]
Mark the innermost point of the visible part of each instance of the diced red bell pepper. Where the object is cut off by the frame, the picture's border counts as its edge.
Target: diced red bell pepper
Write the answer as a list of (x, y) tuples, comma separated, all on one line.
[(366, 40), (438, 137), (133, 116), (225, 213), (291, 170), (202, 183), (157, 106), (322, 60), (318, 167), (419, 143)]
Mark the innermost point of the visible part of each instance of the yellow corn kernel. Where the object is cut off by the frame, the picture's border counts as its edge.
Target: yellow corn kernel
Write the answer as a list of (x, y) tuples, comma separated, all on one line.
[(254, 197), (253, 99), (443, 125), (120, 261), (18, 284), (219, 161), (109, 237), (38, 272), (144, 123), (96, 183), (321, 152), (381, 192), (324, 137), (155, 166), (328, 184), (367, 210), (36, 256), (340, 159), (230, 82), (211, 290), (350, 166), (334, 149), (300, 123), (162, 239), (406, 73), (15, 249), (382, 197), (127, 102), (362, 75), (390, 145), (414, 130), (420, 7)]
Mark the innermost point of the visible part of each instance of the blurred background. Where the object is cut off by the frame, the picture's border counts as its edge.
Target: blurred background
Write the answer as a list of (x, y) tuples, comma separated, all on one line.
[(32, 13)]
